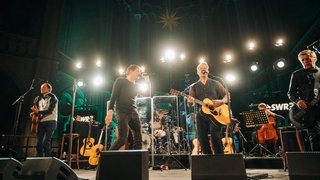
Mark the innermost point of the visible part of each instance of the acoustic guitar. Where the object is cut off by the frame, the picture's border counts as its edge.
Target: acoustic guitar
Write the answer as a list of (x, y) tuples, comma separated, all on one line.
[(96, 149), (218, 115), (227, 143), (88, 143), (196, 146), (34, 122)]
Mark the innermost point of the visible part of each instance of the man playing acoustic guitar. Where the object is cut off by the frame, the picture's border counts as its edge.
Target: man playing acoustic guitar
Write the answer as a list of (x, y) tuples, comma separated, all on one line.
[(213, 90), (304, 92), (46, 109)]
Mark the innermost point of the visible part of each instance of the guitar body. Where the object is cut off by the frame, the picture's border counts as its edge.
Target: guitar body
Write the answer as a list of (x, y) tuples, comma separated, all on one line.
[(34, 123), (95, 152), (227, 145), (86, 149), (94, 158), (301, 118), (196, 146), (218, 115)]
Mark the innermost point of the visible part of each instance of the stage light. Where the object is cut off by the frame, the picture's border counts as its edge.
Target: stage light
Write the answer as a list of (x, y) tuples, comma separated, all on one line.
[(98, 80), (78, 65), (254, 67), (202, 59), (162, 59), (230, 77), (121, 71), (142, 68), (228, 58), (170, 54), (182, 56), (279, 42), (279, 64), (251, 45), (143, 87), (98, 63), (80, 83)]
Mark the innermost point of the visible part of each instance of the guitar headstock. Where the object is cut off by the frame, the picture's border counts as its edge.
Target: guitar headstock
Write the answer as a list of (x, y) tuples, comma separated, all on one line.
[(175, 92)]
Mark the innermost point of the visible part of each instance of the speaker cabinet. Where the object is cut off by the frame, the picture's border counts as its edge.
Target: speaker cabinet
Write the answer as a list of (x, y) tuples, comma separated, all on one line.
[(9, 168), (222, 166), (290, 142), (123, 164), (303, 165), (47, 168)]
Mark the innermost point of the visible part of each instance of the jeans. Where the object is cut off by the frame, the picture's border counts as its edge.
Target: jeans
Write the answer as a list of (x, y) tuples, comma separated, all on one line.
[(205, 126), (44, 135), (126, 121)]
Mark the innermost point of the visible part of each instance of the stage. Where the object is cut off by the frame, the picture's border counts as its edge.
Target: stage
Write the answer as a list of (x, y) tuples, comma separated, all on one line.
[(181, 174)]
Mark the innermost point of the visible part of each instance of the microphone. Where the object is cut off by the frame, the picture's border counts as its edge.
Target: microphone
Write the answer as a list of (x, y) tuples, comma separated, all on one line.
[(204, 72), (310, 45)]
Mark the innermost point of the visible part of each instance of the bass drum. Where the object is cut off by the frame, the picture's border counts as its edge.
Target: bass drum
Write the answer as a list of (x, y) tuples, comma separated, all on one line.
[(146, 141)]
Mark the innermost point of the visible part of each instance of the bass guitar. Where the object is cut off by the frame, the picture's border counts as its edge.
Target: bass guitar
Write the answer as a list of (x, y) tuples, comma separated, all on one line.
[(218, 115), (303, 117), (95, 154), (88, 143)]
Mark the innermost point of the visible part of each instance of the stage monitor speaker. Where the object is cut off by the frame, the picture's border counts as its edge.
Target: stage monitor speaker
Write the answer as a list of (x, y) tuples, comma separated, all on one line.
[(303, 165), (9, 168), (123, 164), (46, 168), (222, 166)]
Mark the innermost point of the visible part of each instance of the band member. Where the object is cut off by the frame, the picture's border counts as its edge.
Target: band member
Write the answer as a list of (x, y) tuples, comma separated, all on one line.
[(46, 109), (214, 90), (267, 133), (304, 88), (124, 92)]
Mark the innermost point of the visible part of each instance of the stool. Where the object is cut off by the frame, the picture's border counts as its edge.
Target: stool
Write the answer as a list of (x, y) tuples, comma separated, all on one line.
[(76, 155)]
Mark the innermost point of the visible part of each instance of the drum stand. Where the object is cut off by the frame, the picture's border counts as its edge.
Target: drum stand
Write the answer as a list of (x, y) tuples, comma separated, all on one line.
[(170, 144)]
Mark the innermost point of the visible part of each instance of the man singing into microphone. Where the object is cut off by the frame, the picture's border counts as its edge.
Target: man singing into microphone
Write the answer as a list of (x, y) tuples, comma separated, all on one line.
[(214, 90)]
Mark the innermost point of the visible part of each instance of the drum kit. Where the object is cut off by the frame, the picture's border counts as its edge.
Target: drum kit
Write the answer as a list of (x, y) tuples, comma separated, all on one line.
[(164, 134)]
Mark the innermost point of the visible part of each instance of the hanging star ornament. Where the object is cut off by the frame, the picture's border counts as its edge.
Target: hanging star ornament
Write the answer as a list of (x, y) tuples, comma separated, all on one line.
[(169, 20)]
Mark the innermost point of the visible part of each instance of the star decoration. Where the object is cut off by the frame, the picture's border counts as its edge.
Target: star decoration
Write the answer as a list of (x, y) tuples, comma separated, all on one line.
[(169, 20)]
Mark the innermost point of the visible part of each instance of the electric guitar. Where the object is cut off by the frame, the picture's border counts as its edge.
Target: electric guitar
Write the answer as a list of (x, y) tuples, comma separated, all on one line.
[(95, 153), (218, 115), (88, 143), (303, 117)]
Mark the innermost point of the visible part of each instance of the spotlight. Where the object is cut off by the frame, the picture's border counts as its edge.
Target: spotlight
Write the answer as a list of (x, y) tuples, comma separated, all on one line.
[(80, 83), (254, 66), (279, 64), (78, 65)]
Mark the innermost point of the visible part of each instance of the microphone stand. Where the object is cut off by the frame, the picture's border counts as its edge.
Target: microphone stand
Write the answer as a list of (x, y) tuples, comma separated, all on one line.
[(18, 110), (71, 122)]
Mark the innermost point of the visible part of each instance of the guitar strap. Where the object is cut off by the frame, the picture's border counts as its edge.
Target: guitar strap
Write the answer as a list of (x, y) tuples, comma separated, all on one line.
[(316, 83)]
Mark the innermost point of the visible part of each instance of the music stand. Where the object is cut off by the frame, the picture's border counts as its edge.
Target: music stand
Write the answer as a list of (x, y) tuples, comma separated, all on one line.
[(252, 119)]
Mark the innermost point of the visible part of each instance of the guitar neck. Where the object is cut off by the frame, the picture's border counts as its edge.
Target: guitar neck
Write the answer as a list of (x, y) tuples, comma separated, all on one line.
[(195, 100)]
